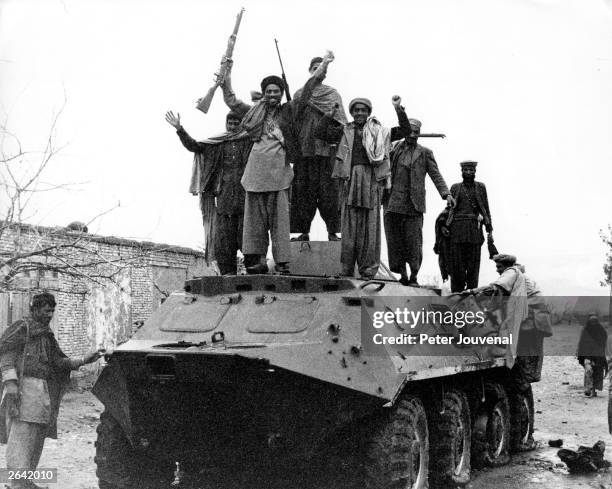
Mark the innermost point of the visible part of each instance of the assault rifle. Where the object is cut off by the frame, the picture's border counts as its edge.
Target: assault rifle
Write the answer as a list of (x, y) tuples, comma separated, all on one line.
[(203, 103)]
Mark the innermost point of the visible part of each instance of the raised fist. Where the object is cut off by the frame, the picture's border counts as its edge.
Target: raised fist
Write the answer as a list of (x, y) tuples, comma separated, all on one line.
[(396, 100), (329, 57)]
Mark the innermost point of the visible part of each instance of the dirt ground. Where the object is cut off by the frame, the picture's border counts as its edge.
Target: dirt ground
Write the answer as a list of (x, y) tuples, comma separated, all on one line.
[(562, 411)]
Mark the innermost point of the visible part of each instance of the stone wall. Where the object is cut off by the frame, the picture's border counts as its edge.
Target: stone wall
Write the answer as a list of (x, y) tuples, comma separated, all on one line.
[(101, 312)]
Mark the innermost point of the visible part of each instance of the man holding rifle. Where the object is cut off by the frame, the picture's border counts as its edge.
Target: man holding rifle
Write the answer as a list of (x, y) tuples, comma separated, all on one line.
[(268, 173), (313, 187)]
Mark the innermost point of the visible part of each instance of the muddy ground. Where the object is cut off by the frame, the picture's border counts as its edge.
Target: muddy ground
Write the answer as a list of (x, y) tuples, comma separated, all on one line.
[(562, 411)]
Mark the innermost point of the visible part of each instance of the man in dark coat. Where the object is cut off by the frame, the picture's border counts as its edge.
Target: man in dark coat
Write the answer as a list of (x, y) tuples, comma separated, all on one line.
[(220, 164), (470, 214), (35, 373), (405, 205), (313, 187), (591, 354)]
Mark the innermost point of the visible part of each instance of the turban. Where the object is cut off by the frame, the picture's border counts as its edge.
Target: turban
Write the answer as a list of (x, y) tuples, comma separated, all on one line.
[(233, 115), (415, 124), (272, 80), (468, 164), (314, 61), (504, 259), (360, 100)]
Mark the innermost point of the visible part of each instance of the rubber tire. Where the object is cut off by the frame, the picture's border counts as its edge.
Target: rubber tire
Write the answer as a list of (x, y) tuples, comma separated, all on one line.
[(522, 414), (389, 461), (483, 455), (444, 435), (118, 465)]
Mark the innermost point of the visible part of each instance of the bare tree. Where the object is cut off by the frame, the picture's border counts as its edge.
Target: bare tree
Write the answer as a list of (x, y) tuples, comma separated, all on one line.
[(25, 248), (606, 237)]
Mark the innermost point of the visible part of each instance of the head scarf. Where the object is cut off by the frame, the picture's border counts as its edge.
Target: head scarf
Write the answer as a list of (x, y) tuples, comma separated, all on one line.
[(273, 80)]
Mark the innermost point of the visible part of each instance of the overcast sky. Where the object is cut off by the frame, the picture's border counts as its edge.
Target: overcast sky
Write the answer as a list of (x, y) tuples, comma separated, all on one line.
[(522, 86)]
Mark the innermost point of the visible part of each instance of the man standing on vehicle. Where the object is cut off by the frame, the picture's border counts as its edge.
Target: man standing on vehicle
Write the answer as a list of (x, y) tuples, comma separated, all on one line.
[(35, 373), (405, 206), (268, 174), (218, 168), (313, 187), (470, 214)]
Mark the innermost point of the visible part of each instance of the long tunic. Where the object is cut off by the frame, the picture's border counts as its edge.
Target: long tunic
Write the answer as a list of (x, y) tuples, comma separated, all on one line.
[(222, 164), (267, 168), (464, 227)]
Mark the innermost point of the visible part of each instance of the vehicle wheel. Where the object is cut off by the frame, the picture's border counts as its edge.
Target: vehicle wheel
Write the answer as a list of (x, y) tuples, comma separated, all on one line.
[(397, 453), (450, 441), (118, 465), (521, 412), (491, 432)]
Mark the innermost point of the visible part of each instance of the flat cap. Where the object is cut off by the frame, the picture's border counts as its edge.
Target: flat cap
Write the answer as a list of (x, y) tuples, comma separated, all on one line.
[(415, 124), (314, 61)]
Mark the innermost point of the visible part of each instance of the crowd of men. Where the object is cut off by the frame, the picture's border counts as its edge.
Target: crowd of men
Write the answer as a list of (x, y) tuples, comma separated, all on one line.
[(278, 163)]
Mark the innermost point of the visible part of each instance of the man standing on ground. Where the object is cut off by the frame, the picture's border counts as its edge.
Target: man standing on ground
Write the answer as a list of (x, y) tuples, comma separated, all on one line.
[(268, 173), (313, 187), (219, 164), (405, 206), (35, 373), (470, 213)]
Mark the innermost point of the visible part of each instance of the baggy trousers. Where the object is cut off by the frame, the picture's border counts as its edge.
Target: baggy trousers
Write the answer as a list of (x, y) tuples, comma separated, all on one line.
[(360, 240), (404, 235), (267, 212), (24, 446), (313, 188), (228, 240), (209, 214), (464, 266), (593, 376)]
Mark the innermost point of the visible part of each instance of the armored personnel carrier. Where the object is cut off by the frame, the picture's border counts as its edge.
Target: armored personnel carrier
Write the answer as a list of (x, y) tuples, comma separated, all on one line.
[(258, 374)]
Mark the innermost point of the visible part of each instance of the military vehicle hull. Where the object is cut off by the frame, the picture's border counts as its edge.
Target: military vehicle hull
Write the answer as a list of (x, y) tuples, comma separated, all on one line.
[(250, 370)]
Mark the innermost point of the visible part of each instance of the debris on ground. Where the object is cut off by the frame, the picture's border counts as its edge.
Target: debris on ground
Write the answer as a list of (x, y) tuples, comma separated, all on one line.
[(555, 443), (585, 459)]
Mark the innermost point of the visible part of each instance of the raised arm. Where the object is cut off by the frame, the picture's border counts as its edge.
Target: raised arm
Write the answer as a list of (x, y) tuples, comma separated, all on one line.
[(315, 79), (229, 97), (189, 143), (403, 130)]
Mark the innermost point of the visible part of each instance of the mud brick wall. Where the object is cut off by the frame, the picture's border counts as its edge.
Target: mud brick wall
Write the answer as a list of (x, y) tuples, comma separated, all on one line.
[(101, 312)]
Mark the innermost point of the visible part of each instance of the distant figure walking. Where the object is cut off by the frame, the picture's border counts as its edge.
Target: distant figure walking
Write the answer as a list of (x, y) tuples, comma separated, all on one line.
[(591, 354)]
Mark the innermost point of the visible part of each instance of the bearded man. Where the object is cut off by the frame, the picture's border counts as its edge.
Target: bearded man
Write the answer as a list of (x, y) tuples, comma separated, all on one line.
[(268, 173), (313, 186)]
